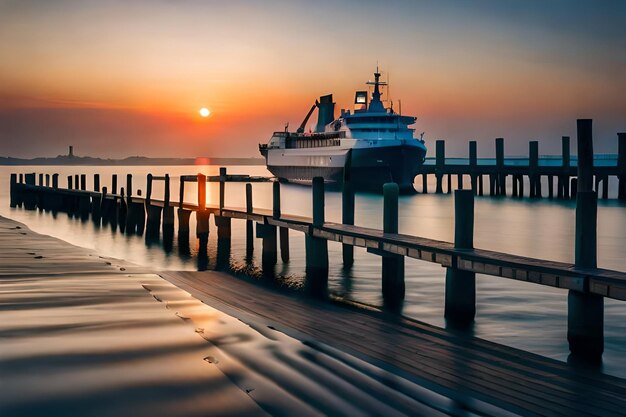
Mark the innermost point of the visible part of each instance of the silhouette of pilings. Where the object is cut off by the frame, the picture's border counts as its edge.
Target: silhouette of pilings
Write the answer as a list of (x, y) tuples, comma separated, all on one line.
[(587, 285), (535, 173)]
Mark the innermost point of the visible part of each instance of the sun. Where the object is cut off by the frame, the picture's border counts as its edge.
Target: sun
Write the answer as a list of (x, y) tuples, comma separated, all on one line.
[(204, 112)]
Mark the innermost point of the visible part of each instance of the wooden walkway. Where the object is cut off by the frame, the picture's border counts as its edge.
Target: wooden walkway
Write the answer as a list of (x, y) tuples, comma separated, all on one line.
[(473, 371)]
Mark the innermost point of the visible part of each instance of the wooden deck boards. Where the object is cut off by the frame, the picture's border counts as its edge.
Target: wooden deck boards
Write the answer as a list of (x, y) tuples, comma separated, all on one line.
[(515, 380)]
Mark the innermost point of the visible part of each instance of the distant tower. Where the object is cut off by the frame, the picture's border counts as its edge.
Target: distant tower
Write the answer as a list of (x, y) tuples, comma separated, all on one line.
[(71, 154)]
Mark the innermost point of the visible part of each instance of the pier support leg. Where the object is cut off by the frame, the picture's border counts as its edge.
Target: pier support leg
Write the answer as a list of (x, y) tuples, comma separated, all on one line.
[(449, 190), (492, 184), (460, 304), (605, 187), (284, 244), (424, 183), (459, 181), (249, 224), (202, 226), (392, 265), (14, 190), (347, 217), (514, 188), (317, 248), (269, 255), (480, 185), (439, 188), (183, 220), (585, 311)]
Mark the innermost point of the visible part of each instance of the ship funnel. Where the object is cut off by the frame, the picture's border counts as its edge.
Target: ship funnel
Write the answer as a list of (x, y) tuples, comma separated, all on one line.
[(325, 112)]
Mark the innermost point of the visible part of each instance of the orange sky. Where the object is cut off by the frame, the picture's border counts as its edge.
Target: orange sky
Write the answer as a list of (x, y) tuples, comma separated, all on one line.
[(127, 78)]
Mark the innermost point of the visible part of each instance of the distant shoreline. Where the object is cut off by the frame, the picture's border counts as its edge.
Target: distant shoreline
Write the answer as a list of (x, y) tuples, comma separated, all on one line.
[(133, 160)]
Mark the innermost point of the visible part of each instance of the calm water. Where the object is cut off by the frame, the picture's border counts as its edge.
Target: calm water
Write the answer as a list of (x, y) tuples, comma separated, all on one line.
[(522, 315)]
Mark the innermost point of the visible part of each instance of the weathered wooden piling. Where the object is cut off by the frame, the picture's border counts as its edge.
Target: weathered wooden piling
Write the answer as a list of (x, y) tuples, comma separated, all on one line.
[(76, 182), (282, 231), (152, 211), (249, 223), (131, 215), (317, 248), (47, 180), (182, 213), (460, 303), (30, 199), (585, 318), (473, 162), (392, 264), (424, 183), (202, 215), (533, 166), (114, 184), (96, 182), (69, 182), (440, 160), (168, 210), (41, 180), (96, 201), (621, 165), (222, 186), (563, 186), (13, 191), (347, 214), (500, 176), (449, 189), (55, 181)]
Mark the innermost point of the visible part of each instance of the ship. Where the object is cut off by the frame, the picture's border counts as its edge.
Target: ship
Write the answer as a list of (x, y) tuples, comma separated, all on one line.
[(370, 145)]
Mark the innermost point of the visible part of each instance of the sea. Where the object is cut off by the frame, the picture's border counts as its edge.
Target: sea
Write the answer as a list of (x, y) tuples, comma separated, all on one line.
[(523, 315)]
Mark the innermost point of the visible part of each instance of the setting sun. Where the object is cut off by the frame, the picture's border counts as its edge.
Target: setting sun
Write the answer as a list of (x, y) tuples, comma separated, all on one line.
[(204, 112)]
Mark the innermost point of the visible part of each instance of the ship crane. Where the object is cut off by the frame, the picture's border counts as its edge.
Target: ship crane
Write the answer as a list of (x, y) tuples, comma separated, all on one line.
[(306, 119)]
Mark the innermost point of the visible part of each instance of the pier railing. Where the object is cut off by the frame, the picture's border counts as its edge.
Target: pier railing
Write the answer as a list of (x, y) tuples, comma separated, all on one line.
[(587, 285)]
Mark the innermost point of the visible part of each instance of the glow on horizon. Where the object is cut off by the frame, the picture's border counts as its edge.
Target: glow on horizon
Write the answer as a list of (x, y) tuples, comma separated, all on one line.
[(131, 71)]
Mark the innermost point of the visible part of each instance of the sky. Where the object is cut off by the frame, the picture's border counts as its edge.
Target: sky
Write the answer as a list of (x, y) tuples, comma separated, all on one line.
[(122, 78)]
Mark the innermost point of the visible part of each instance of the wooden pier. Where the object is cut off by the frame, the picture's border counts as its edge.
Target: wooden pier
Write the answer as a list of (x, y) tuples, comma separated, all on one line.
[(559, 172), (587, 285)]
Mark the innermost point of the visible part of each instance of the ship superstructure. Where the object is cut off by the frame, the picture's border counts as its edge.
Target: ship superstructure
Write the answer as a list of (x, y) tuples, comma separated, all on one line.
[(373, 145)]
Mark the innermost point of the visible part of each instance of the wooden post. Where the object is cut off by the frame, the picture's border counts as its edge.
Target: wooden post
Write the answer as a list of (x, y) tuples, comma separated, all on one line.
[(114, 184), (168, 210), (460, 307), (47, 180), (500, 177), (480, 185), (347, 216), (424, 183), (459, 181), (473, 162), (249, 223), (533, 166), (565, 145), (13, 190), (202, 215), (449, 190), (276, 200), (153, 212), (222, 186), (201, 191), (55, 181), (148, 189), (493, 184), (41, 180), (96, 182), (181, 192), (605, 187), (621, 165), (69, 182), (585, 318), (83, 182), (131, 215), (515, 181), (440, 159), (284, 244), (392, 265), (317, 248)]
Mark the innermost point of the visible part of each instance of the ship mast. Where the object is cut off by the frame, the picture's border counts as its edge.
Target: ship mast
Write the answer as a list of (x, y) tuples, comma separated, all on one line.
[(376, 105)]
